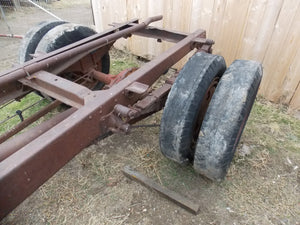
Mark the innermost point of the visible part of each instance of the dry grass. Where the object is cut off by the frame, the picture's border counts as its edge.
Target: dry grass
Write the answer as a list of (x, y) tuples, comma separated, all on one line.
[(149, 160), (264, 184)]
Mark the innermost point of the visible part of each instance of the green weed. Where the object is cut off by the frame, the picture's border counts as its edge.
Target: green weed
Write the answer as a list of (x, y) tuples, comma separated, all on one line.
[(24, 105)]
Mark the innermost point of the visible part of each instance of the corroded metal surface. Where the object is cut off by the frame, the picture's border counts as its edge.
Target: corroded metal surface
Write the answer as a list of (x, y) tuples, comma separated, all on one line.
[(114, 108)]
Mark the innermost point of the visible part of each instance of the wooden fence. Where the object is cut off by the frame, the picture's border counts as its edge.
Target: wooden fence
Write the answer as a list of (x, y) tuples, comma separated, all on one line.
[(264, 30)]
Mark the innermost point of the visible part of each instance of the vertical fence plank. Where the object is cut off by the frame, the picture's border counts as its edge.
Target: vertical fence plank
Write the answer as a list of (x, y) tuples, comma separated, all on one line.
[(262, 18), (232, 28), (180, 21), (201, 15), (154, 47), (256, 13), (138, 9), (281, 52), (291, 83), (215, 27), (97, 15), (17, 4), (106, 12)]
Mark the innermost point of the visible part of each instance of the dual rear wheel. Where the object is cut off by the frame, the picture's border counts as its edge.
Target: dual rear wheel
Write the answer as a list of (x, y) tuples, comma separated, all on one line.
[(206, 112)]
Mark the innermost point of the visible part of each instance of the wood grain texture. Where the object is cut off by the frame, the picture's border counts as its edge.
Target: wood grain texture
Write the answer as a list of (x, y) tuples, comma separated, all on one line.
[(171, 195), (263, 30)]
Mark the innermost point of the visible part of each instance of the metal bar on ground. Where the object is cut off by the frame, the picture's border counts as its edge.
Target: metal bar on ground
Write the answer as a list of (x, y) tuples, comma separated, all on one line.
[(171, 195)]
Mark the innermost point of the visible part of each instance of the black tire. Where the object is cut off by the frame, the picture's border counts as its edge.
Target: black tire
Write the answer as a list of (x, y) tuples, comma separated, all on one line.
[(183, 105), (33, 37), (66, 34), (105, 61), (226, 117), (63, 35)]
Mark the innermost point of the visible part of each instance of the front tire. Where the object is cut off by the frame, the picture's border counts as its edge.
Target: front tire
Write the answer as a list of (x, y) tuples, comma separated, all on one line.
[(33, 37)]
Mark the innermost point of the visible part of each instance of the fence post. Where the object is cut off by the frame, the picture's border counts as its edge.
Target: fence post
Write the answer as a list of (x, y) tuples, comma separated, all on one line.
[(16, 4)]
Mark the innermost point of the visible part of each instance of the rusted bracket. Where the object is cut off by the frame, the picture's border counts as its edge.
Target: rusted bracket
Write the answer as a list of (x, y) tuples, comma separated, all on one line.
[(116, 124), (151, 103), (118, 119), (205, 48)]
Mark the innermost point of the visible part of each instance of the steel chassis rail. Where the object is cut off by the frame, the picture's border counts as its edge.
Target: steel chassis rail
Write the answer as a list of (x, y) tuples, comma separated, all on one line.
[(31, 158)]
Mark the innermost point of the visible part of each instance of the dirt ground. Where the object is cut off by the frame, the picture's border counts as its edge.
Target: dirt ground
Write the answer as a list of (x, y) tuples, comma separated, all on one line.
[(262, 186)]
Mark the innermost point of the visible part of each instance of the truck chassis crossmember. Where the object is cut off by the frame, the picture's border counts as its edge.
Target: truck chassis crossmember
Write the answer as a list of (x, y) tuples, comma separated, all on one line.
[(36, 155)]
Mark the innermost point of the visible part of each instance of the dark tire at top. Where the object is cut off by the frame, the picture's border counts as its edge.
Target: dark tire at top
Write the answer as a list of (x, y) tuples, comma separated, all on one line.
[(105, 63), (63, 35), (226, 117), (183, 105), (66, 34), (33, 37)]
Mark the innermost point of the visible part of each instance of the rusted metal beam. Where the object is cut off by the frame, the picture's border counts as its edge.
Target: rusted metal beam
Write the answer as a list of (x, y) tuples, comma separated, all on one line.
[(14, 144), (57, 87), (121, 26), (169, 35), (10, 88), (24, 171), (78, 64), (14, 91), (63, 54)]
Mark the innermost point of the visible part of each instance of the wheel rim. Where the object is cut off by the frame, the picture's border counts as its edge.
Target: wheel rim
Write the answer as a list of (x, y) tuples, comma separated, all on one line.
[(203, 108)]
